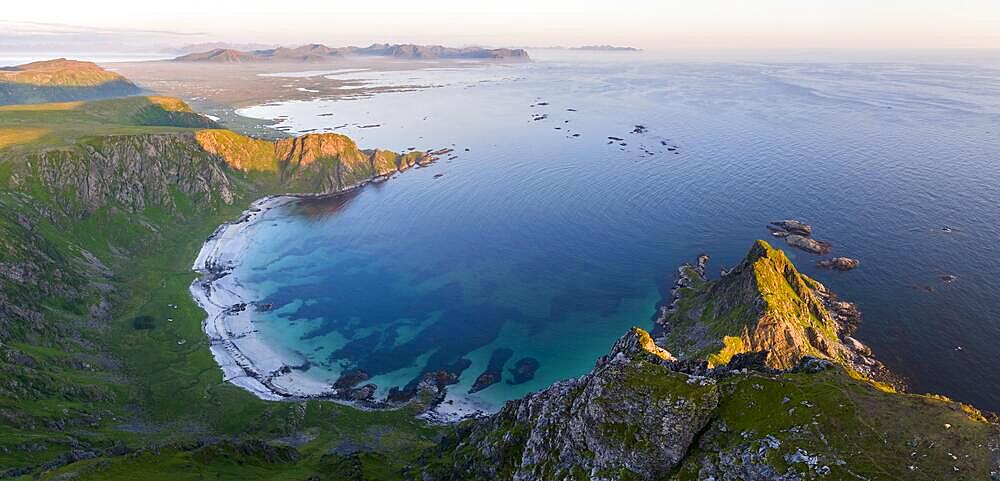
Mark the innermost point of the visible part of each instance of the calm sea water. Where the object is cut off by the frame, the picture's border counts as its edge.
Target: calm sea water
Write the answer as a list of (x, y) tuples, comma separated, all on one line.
[(552, 245)]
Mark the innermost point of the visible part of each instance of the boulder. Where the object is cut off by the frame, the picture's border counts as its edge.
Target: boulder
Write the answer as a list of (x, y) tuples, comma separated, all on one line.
[(808, 244), (839, 263), (794, 227)]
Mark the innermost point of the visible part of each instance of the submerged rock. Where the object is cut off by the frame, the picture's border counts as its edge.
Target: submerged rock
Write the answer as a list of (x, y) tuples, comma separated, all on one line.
[(494, 370), (839, 263), (350, 378), (523, 370)]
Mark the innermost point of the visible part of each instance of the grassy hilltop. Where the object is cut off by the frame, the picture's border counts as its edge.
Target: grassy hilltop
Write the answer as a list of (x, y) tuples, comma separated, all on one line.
[(105, 373), (61, 80)]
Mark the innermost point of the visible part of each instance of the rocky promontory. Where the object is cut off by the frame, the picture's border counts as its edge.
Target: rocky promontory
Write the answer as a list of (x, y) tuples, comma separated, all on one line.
[(765, 304)]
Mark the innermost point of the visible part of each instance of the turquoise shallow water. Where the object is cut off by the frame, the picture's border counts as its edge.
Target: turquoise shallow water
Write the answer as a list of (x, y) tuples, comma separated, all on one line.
[(552, 245)]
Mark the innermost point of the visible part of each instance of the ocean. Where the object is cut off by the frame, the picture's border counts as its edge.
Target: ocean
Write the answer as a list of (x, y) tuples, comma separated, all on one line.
[(580, 181)]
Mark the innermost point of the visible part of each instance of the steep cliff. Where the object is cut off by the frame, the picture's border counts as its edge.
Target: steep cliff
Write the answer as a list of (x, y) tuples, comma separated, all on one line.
[(642, 415)]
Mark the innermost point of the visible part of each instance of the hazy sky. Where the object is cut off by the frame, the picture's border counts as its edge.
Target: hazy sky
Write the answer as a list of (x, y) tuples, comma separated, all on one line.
[(644, 23)]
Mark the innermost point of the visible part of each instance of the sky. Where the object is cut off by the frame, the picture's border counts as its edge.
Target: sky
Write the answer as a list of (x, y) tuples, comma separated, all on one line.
[(664, 24)]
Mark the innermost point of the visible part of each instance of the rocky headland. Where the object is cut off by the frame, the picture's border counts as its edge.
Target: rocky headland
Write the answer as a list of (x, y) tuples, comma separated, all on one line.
[(764, 304)]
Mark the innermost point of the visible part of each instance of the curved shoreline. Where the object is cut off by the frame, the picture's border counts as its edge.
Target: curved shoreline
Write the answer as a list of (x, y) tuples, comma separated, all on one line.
[(245, 359)]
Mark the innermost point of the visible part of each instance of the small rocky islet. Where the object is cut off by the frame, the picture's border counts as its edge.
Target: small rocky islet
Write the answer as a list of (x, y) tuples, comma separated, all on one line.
[(638, 129)]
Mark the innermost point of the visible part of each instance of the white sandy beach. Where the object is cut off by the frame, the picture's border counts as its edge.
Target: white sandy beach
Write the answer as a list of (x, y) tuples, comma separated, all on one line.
[(246, 360)]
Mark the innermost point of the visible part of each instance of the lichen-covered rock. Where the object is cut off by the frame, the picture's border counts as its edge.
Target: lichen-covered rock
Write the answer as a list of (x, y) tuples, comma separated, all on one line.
[(793, 227), (808, 244)]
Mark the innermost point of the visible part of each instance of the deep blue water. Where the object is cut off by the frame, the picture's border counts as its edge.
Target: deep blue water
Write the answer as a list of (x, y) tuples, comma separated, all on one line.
[(552, 245)]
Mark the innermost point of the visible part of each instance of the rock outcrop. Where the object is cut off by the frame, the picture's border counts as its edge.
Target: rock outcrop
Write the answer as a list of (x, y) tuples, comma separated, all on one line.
[(630, 418), (764, 305), (839, 263)]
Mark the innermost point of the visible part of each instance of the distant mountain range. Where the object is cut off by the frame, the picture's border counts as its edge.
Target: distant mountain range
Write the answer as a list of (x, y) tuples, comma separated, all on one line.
[(207, 46), (607, 48), (319, 52)]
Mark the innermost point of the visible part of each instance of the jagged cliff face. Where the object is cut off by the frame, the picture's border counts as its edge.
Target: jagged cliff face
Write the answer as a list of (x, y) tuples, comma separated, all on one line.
[(313, 163), (641, 415), (628, 417), (131, 172)]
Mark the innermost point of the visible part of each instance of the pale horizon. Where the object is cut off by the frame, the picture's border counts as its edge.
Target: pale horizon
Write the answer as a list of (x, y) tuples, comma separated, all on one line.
[(718, 24)]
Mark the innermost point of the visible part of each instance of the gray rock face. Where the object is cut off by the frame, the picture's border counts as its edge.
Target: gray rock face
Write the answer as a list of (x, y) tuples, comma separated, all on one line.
[(133, 172), (630, 418)]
